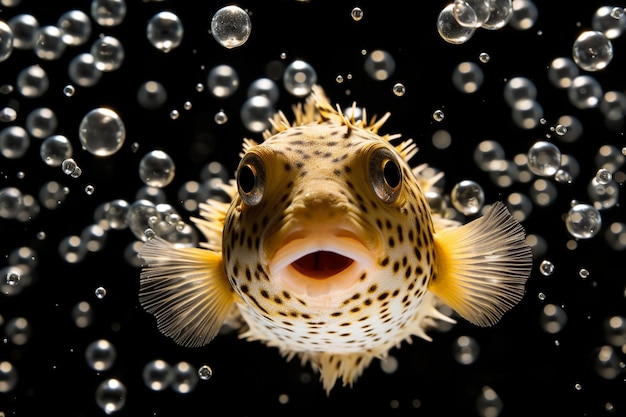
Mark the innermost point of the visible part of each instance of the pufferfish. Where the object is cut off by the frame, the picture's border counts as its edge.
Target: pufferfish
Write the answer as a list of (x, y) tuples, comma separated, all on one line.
[(329, 250)]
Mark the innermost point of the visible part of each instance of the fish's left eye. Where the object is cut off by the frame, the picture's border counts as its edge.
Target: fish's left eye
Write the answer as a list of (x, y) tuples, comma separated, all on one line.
[(251, 179), (385, 175)]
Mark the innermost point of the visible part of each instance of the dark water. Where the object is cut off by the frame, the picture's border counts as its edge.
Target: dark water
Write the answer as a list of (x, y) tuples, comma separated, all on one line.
[(575, 370)]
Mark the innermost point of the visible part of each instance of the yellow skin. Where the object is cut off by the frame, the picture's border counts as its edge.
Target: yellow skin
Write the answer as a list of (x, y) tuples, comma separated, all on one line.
[(329, 250)]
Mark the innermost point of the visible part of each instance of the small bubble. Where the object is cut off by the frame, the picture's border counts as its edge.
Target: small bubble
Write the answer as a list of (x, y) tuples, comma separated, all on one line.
[(13, 278), (399, 89), (69, 90), (199, 87), (89, 189), (8, 114), (583, 273), (438, 115), (100, 292), (541, 296), (546, 268), (578, 386), (603, 176), (205, 372), (187, 105), (69, 166), (220, 117), (339, 79), (617, 13), (560, 130), (174, 114), (357, 14), (484, 57)]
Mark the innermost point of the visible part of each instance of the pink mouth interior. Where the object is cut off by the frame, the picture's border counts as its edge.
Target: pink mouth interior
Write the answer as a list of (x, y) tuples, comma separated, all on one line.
[(321, 264)]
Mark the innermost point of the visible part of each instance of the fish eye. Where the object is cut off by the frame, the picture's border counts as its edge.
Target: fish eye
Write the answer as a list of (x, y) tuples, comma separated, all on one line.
[(251, 179), (385, 175)]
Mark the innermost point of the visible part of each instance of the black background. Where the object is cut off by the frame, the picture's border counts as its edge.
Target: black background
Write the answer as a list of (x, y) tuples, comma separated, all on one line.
[(531, 373)]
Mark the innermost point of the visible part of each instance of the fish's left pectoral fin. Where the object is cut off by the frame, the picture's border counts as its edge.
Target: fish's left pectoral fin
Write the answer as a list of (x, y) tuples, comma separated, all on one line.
[(186, 289), (482, 266)]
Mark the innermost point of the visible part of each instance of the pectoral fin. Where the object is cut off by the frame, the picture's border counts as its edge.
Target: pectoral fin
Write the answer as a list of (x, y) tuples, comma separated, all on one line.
[(482, 266), (186, 289)]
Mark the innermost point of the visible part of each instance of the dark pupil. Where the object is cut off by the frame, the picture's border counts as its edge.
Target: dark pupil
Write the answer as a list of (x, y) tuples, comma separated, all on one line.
[(391, 173), (246, 179)]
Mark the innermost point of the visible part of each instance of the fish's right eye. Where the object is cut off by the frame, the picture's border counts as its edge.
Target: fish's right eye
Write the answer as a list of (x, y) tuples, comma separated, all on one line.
[(251, 179)]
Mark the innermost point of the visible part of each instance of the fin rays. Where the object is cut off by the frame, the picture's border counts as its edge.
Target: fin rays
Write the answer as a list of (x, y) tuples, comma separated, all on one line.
[(483, 266), (187, 291)]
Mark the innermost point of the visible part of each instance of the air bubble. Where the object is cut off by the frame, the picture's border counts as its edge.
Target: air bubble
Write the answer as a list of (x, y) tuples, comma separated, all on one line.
[(488, 403), (14, 142), (165, 31), (220, 117), (399, 89), (185, 378), (102, 132), (562, 72), (546, 268), (108, 13), (467, 77), (32, 81), (449, 28), (100, 292), (223, 81), (55, 149), (111, 395), (592, 51), (585, 92), (23, 26), (553, 318), (157, 169), (82, 70), (356, 14), (41, 122), (205, 372), (583, 221), (157, 375), (151, 95), (466, 350), (544, 158), (609, 20), (108, 53), (256, 112), (100, 355), (75, 26), (49, 43), (607, 362), (380, 65), (231, 26), (467, 197), (299, 78), (8, 377), (438, 115)]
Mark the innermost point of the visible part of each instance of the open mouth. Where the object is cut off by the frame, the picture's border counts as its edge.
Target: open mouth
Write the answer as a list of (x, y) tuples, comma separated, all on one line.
[(320, 264)]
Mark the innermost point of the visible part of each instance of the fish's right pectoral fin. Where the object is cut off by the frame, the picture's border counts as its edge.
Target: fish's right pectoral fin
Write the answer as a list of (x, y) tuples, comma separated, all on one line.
[(186, 289), (482, 266)]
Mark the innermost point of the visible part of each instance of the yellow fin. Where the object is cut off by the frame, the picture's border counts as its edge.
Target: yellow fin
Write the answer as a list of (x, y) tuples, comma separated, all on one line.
[(186, 289), (482, 266)]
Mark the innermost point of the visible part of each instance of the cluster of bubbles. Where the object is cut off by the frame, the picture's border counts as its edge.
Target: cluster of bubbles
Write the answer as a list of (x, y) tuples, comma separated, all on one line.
[(458, 21)]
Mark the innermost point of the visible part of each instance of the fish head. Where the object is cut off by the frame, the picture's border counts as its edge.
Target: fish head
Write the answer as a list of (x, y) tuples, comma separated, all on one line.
[(325, 213)]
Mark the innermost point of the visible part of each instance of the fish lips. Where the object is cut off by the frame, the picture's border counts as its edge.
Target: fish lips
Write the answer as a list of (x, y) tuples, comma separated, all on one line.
[(321, 264)]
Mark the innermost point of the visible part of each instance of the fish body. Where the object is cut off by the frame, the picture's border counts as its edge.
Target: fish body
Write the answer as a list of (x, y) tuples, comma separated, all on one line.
[(329, 250)]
